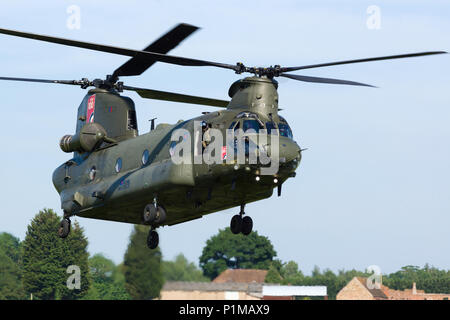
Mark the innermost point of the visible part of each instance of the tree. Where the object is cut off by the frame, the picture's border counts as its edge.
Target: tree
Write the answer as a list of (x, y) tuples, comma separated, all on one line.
[(227, 250), (10, 279), (46, 259), (429, 279), (290, 270), (106, 284), (10, 245), (142, 267), (11, 287), (273, 275), (182, 270)]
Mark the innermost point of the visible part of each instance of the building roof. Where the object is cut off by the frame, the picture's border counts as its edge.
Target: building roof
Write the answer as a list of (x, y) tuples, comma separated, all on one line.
[(254, 289), (211, 286), (376, 293), (294, 291), (241, 276)]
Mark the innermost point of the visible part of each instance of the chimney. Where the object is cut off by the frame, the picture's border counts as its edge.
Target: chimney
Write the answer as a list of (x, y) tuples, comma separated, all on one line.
[(414, 289)]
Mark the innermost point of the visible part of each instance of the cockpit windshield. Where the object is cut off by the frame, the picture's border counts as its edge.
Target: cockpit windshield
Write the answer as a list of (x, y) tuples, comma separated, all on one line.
[(251, 121), (252, 125)]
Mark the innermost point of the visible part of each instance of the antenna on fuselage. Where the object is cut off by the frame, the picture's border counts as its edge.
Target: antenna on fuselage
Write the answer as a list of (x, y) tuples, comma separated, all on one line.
[(152, 125)]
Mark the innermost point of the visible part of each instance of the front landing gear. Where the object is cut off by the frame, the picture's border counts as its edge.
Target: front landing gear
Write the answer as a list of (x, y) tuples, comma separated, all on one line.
[(241, 224), (152, 239), (64, 228)]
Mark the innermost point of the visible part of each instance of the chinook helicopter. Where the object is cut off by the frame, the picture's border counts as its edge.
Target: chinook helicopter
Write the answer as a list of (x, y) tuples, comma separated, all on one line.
[(118, 175)]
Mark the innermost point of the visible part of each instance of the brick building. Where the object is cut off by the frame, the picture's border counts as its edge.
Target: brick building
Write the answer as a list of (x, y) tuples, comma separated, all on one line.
[(357, 289)]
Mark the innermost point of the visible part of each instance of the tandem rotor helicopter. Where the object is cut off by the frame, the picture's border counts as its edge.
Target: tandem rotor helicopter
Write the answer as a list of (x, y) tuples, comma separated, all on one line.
[(118, 175)]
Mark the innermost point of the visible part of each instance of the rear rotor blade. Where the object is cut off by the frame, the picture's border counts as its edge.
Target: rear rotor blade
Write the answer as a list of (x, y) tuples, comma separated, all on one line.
[(324, 80), (121, 51), (177, 97), (136, 66), (400, 56)]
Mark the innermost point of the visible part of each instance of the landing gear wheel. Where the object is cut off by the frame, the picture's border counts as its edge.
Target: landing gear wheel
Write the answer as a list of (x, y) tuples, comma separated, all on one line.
[(152, 239), (160, 215), (247, 226), (64, 228), (149, 213), (153, 215), (236, 224)]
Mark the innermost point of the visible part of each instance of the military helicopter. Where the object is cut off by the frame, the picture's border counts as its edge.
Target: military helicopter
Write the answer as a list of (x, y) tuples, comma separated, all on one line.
[(118, 175)]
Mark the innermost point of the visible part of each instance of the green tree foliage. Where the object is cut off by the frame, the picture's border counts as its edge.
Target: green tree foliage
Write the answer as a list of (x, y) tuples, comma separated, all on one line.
[(182, 270), (430, 279), (46, 258), (227, 250), (10, 245), (273, 275), (10, 268), (107, 284), (142, 267), (10, 279)]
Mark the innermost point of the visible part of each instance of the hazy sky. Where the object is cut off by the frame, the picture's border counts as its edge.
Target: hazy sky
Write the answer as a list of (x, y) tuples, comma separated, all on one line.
[(373, 187)]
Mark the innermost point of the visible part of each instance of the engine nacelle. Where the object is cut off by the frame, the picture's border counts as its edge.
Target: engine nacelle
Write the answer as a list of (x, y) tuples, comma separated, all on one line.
[(90, 137)]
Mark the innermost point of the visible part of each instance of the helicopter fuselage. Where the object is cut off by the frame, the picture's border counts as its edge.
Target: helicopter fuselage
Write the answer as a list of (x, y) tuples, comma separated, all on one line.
[(117, 180)]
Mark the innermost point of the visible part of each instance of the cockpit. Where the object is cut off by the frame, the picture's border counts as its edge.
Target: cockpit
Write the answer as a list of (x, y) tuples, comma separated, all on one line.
[(249, 120)]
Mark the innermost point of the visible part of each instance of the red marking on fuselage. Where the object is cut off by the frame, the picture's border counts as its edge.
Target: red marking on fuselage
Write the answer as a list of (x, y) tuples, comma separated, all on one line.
[(90, 109)]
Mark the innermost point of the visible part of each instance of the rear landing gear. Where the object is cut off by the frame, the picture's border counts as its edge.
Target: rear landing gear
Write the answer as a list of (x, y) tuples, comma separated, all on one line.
[(154, 215), (241, 224), (236, 224), (152, 239), (64, 228), (247, 225)]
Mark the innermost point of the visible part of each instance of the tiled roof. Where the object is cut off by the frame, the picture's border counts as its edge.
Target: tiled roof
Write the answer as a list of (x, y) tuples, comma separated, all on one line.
[(241, 276), (376, 293)]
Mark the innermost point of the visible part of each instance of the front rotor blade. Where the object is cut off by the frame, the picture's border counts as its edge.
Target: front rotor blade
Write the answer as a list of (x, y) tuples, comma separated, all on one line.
[(72, 82), (177, 97), (136, 66), (400, 56), (121, 51), (324, 80)]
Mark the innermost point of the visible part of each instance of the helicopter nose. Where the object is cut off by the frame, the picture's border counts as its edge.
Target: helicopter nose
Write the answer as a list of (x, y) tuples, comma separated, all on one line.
[(289, 151)]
